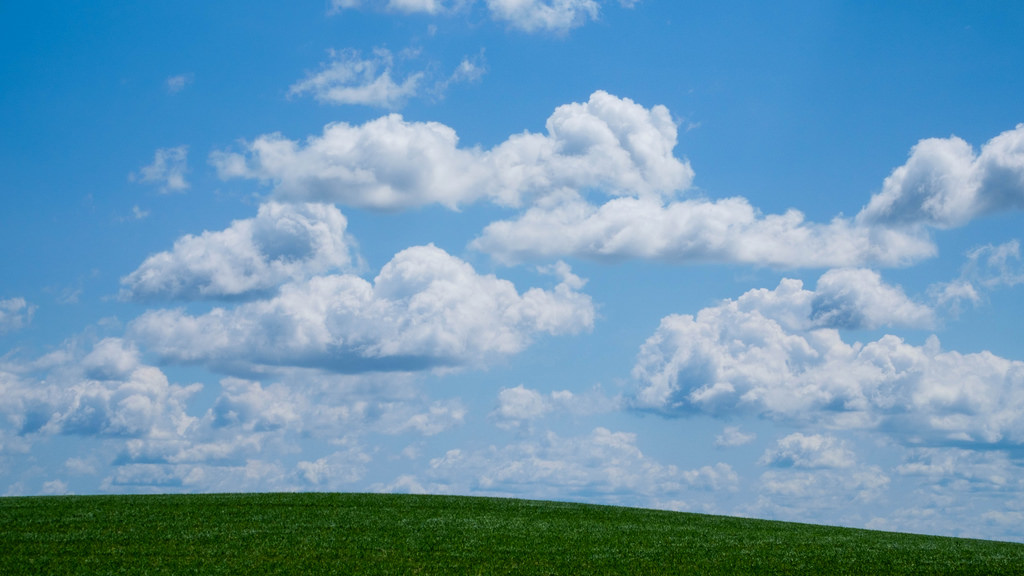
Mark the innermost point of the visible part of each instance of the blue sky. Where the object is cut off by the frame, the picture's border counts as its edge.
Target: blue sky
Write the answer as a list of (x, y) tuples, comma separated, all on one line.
[(738, 258)]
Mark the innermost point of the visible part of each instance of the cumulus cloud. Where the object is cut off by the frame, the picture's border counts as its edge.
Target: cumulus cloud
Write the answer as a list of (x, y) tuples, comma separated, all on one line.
[(352, 79), (106, 392), (519, 407), (425, 309), (167, 170), (15, 314), (520, 404), (695, 230), (765, 353), (606, 143), (732, 436), (342, 467), (284, 242), (858, 298), (809, 451), (945, 183)]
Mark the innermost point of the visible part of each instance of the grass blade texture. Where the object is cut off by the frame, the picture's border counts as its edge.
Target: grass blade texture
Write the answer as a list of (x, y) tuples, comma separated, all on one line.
[(402, 534)]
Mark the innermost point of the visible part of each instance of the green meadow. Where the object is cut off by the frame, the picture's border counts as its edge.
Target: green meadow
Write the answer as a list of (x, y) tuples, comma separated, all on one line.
[(403, 534)]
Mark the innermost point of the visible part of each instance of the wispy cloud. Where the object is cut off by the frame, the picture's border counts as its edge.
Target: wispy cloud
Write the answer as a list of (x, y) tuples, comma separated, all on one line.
[(531, 16), (15, 314), (987, 268), (178, 83), (167, 170), (349, 78)]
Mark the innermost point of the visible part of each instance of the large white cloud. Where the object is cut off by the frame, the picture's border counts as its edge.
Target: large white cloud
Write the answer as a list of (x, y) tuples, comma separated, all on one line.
[(284, 242), (105, 392), (425, 309), (943, 184), (766, 353), (606, 143), (946, 184), (696, 230)]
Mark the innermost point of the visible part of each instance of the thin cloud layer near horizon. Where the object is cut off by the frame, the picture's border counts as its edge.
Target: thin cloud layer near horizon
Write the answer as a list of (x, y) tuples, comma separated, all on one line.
[(744, 259)]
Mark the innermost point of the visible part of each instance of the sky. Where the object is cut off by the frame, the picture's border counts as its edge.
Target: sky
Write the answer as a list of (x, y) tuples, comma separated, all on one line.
[(741, 258)]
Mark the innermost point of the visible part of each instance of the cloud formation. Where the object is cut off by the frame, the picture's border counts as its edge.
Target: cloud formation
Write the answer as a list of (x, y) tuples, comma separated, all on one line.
[(351, 79), (809, 451), (105, 392), (987, 268), (558, 16), (773, 353), (550, 16), (168, 170), (602, 463), (425, 309), (945, 184), (696, 230), (252, 257), (607, 143), (15, 314)]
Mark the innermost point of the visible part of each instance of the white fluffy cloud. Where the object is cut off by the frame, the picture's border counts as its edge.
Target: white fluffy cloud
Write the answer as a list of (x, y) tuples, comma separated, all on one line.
[(946, 184), (809, 451), (519, 407), (15, 314), (425, 309), (943, 184), (606, 143), (732, 436), (697, 230), (351, 79), (105, 392), (766, 353), (168, 169), (284, 242), (857, 298)]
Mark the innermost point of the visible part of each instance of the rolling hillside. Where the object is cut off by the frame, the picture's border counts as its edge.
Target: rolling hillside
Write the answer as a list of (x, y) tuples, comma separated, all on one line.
[(404, 534)]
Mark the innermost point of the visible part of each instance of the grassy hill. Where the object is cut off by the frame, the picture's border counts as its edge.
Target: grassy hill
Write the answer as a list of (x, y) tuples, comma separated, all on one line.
[(401, 534)]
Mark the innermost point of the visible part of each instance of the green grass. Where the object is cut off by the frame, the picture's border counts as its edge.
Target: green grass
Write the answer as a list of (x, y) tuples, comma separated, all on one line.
[(401, 534)]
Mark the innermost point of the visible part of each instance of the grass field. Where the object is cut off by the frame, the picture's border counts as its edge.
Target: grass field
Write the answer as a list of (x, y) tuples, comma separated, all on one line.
[(402, 534)]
